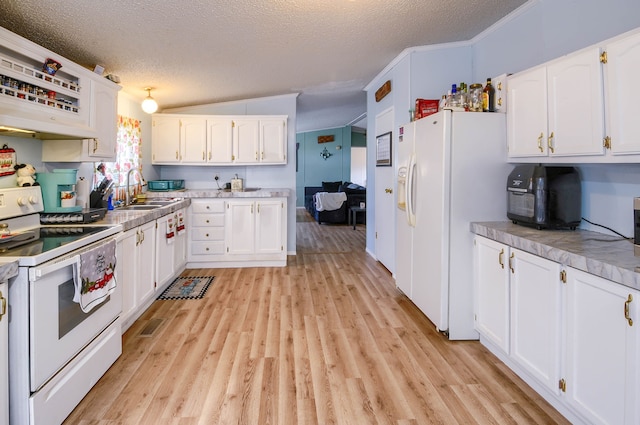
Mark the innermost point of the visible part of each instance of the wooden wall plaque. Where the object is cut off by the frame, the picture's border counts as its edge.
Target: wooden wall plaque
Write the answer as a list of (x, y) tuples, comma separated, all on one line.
[(325, 139), (384, 90)]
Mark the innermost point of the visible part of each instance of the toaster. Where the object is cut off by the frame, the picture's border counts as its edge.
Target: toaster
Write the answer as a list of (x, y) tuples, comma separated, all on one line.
[(544, 196)]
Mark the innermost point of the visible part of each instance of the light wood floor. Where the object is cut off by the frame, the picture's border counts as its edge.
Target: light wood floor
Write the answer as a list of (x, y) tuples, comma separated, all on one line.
[(328, 339)]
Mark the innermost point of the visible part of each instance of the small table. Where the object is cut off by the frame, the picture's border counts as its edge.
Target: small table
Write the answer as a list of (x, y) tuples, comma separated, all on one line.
[(353, 214)]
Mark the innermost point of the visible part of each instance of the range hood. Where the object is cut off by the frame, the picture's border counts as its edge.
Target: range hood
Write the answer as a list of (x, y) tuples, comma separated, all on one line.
[(15, 125)]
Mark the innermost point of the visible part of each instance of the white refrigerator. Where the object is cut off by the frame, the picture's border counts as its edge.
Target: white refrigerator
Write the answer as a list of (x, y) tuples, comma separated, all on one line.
[(452, 170)]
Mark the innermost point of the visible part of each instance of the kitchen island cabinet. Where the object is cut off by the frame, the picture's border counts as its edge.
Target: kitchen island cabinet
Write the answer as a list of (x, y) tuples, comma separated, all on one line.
[(574, 333)]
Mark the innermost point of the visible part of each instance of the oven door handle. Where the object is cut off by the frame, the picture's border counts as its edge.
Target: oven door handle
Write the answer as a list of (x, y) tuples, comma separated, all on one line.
[(36, 273)]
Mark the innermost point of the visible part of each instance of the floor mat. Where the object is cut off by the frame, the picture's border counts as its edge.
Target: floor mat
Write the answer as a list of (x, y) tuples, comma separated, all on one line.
[(187, 288)]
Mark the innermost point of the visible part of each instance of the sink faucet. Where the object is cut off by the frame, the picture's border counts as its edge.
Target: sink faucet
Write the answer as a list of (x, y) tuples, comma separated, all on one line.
[(127, 199)]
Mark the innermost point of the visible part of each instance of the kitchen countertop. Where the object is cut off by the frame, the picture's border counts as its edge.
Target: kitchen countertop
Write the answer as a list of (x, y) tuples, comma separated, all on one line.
[(610, 257), (130, 219), (8, 270), (222, 193)]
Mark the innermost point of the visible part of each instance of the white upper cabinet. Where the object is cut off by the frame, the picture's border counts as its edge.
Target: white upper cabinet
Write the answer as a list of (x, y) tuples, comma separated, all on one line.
[(72, 104), (246, 141), (580, 108), (273, 134), (165, 136), (527, 113), (623, 109), (193, 139), (219, 139), (557, 109), (220, 135)]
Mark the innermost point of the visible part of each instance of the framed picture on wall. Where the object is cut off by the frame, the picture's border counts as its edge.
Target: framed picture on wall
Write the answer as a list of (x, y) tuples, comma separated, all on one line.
[(383, 150)]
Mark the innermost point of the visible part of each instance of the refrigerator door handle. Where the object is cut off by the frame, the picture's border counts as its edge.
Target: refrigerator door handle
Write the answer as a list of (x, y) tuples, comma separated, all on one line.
[(410, 210)]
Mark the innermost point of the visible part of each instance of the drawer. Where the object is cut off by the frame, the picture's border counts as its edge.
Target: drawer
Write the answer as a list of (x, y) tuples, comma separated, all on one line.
[(207, 220), (207, 248), (207, 233), (199, 206)]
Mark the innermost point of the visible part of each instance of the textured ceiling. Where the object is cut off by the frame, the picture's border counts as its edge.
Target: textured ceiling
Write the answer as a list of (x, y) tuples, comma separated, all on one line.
[(207, 51)]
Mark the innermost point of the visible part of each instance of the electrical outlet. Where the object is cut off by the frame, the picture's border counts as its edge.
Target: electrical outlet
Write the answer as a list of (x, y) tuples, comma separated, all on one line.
[(216, 177)]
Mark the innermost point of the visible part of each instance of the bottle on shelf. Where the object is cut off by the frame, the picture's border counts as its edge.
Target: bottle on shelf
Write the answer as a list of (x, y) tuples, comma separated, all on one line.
[(488, 97)]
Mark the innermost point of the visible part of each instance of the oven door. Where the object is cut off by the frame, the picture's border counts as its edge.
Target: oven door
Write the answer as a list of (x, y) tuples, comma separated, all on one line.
[(59, 329)]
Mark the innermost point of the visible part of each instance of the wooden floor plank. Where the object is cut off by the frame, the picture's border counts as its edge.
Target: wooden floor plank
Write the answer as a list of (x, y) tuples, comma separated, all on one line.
[(328, 339)]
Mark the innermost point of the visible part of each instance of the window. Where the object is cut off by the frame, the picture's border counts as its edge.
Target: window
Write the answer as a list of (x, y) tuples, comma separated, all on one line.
[(128, 156)]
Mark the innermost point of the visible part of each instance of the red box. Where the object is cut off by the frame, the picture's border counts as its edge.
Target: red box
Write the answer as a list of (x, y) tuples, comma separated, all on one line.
[(426, 107)]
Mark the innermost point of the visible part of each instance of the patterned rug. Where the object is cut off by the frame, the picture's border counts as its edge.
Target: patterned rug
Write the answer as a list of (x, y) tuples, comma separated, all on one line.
[(187, 288)]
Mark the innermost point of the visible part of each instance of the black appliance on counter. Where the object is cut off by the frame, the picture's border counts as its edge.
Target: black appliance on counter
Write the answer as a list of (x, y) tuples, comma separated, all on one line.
[(544, 196)]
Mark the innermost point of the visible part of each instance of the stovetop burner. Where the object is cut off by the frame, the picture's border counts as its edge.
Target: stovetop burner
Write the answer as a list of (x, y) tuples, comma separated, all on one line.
[(43, 239)]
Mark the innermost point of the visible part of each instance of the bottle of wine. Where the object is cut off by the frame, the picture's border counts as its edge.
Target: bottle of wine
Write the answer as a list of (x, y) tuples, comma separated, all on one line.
[(488, 97)]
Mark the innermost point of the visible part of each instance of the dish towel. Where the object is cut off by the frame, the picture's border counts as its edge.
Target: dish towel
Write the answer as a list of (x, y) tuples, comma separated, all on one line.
[(329, 201), (94, 276), (170, 233)]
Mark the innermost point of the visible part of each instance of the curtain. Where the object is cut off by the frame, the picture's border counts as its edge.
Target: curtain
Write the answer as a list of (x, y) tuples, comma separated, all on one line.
[(128, 156)]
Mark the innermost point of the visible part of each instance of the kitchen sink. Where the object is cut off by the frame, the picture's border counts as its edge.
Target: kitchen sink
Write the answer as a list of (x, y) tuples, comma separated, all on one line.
[(141, 207)]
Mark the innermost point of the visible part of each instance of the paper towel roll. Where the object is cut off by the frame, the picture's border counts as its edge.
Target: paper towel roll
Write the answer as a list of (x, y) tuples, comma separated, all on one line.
[(83, 190)]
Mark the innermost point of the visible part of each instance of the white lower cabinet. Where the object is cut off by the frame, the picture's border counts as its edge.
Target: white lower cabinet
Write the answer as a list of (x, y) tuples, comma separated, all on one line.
[(491, 286), (206, 231), (602, 349), (135, 252), (255, 227), (170, 249), (571, 335), (536, 316), (237, 232), (4, 354)]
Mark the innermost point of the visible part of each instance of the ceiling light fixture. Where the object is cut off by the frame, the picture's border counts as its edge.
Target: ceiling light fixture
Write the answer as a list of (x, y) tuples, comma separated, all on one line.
[(149, 105)]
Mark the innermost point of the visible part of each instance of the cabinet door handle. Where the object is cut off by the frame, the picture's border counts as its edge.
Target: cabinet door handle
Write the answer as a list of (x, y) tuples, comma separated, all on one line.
[(3, 306), (500, 260), (209, 156), (176, 154), (203, 155), (513, 254), (540, 142), (626, 310), (549, 142), (388, 190), (95, 145)]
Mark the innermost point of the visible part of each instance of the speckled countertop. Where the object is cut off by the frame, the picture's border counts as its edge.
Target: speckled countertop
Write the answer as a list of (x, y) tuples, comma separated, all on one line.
[(609, 257), (130, 219), (221, 193), (8, 270)]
